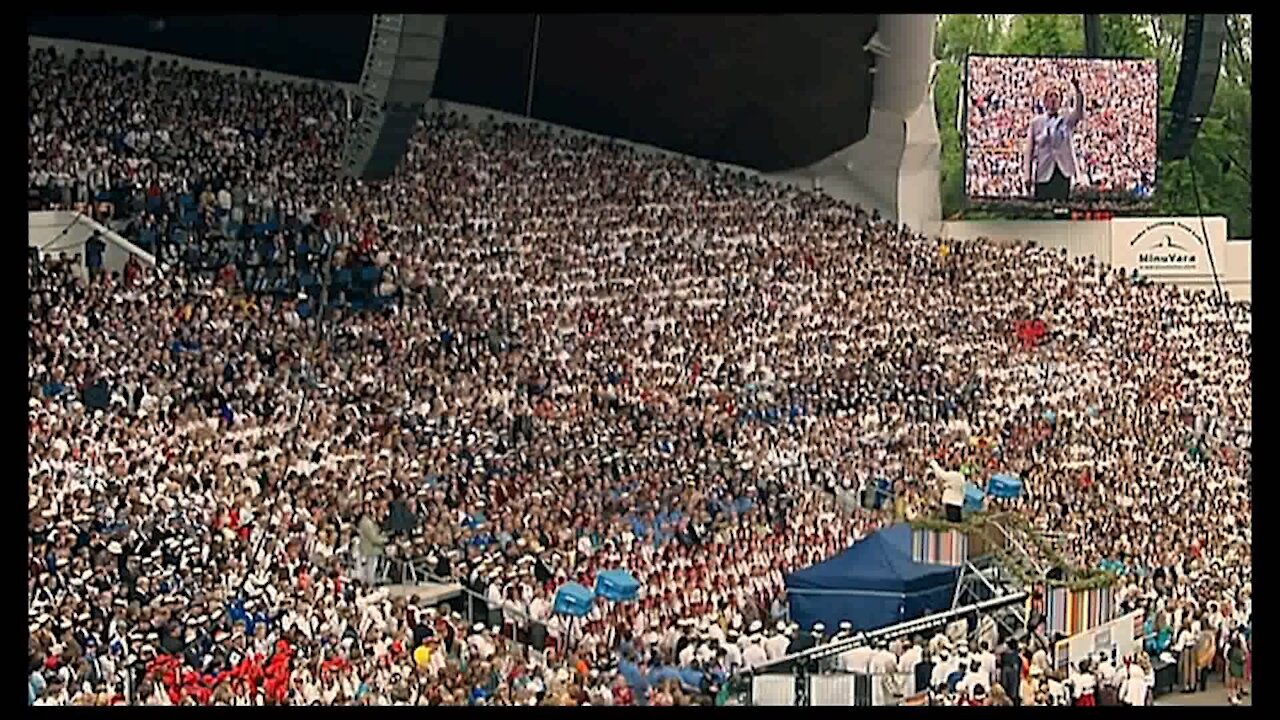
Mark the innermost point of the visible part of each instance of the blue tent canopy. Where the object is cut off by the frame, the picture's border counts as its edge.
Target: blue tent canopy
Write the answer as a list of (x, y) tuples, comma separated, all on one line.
[(872, 584), (1005, 485), (617, 585), (573, 599)]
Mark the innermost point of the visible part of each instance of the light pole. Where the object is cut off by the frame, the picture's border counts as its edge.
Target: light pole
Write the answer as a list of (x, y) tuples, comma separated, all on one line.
[(533, 66)]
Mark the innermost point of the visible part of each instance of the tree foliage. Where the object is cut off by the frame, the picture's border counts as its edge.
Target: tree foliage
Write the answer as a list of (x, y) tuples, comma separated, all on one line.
[(1221, 153), (1125, 36), (1045, 35)]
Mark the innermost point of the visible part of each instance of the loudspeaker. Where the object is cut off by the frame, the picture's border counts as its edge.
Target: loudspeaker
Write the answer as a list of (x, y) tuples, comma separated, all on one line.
[(1197, 79), (399, 74), (1092, 35)]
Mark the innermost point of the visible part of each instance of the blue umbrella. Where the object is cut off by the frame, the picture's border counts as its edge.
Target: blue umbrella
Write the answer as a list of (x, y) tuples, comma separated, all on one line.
[(573, 599), (1005, 485), (617, 585), (974, 497)]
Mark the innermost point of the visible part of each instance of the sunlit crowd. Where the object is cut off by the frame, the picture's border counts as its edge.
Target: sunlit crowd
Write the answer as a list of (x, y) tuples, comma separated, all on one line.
[(596, 359)]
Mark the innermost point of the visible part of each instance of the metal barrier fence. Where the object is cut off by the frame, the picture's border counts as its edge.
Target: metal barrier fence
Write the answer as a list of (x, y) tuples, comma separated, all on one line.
[(861, 689), (514, 624), (911, 627), (774, 690), (830, 689)]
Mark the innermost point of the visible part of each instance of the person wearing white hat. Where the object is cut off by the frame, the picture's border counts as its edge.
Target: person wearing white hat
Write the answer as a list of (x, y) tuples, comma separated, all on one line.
[(754, 655), (937, 642), (858, 659), (846, 630), (1134, 690), (479, 642), (988, 661), (911, 657), (942, 667), (776, 646), (884, 667), (1108, 692), (715, 632), (687, 653), (732, 650)]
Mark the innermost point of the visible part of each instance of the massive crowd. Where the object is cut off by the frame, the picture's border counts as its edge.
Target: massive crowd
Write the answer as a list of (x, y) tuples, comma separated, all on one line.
[(597, 358), (1115, 144)]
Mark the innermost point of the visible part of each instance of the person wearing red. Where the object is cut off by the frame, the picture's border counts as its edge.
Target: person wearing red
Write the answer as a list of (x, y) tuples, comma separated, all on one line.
[(622, 693), (977, 697), (1084, 686)]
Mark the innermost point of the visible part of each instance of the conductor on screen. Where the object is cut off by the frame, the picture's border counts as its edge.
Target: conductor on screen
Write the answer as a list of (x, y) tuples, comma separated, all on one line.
[(1050, 162)]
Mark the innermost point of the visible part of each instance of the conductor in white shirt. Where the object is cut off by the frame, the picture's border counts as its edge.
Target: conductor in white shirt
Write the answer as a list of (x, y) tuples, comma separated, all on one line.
[(952, 491), (1050, 162)]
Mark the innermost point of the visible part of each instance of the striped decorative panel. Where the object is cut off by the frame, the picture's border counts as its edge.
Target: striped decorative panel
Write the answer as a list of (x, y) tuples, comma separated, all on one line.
[(1072, 612), (932, 547)]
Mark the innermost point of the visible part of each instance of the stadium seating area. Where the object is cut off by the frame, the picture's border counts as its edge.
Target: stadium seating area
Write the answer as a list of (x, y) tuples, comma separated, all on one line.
[(529, 358)]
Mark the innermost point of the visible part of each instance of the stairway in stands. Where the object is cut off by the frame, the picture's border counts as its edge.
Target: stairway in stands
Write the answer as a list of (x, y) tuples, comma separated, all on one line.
[(1006, 556)]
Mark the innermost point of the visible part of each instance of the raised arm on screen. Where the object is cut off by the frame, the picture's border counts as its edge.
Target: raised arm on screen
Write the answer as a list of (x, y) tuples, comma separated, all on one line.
[(1077, 113), (1028, 158)]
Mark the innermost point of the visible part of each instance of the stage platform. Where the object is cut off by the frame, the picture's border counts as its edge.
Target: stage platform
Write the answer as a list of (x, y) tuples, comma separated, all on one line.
[(429, 593)]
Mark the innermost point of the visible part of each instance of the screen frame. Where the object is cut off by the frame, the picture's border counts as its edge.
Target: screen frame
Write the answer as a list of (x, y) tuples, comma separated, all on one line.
[(1032, 205)]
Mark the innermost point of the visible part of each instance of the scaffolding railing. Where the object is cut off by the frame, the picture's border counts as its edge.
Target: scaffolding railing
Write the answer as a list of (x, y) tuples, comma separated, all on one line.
[(803, 658), (413, 571)]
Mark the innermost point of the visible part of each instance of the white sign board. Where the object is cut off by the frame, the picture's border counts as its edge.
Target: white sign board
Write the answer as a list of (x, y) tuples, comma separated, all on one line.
[(831, 690), (1117, 639), (1169, 247), (773, 690)]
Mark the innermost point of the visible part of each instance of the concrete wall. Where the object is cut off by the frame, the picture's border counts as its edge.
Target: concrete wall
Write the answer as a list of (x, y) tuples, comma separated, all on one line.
[(1079, 239), (865, 173), (59, 231), (897, 167), (1235, 270), (920, 173), (1232, 259)]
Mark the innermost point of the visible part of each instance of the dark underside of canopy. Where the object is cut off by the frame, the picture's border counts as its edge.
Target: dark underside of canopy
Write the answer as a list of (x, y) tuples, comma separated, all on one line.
[(772, 92)]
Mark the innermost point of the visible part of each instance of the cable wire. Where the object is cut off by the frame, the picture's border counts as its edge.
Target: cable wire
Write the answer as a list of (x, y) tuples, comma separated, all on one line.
[(1208, 249)]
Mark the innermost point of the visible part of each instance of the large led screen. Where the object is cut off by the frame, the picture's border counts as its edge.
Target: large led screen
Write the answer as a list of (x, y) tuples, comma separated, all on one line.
[(1067, 131)]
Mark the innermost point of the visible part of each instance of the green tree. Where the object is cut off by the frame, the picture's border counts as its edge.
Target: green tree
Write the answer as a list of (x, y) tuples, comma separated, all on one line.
[(957, 37), (1125, 36), (947, 93), (1221, 151), (1045, 35)]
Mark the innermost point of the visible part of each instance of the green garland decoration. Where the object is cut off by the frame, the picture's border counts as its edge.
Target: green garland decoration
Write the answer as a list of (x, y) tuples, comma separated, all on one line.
[(979, 523)]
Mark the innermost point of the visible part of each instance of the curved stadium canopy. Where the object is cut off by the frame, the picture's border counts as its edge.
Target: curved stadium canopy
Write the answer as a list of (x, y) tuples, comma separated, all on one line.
[(771, 92)]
